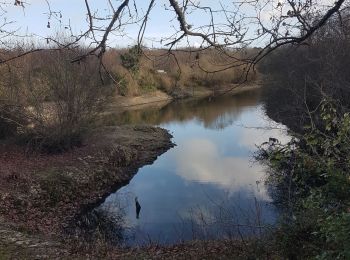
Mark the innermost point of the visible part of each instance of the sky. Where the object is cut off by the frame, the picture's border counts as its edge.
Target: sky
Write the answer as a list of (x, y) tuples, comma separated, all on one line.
[(33, 19)]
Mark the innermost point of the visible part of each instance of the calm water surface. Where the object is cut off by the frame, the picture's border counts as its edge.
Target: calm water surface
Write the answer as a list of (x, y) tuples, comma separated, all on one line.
[(206, 187)]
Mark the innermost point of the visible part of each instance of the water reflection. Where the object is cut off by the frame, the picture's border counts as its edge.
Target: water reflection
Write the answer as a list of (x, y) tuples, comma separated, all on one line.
[(213, 113), (207, 165), (207, 186), (101, 224)]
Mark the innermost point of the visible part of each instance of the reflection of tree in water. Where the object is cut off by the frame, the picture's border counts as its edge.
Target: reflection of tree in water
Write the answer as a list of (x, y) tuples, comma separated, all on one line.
[(215, 113), (101, 224), (230, 219), (223, 121)]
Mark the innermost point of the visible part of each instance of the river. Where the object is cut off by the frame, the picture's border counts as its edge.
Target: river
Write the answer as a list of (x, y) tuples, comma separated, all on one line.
[(208, 186)]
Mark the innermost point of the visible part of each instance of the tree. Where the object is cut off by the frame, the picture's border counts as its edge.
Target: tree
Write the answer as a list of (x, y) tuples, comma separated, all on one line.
[(230, 25)]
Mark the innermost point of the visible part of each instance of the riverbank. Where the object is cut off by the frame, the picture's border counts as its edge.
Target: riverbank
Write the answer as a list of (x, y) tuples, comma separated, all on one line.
[(159, 98), (42, 194), (23, 246)]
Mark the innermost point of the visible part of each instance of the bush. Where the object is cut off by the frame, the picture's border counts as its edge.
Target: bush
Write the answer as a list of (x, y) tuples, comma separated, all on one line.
[(76, 95), (147, 81), (312, 173), (131, 59), (308, 89), (299, 77), (11, 120), (57, 98)]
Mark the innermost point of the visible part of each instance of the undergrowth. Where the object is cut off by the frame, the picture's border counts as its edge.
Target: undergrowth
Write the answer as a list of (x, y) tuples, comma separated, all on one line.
[(311, 180)]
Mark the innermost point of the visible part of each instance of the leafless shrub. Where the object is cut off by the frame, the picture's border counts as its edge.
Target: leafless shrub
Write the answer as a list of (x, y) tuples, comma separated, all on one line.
[(299, 77), (58, 98)]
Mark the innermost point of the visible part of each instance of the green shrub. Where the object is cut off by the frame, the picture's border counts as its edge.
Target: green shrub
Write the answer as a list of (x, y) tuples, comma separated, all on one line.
[(312, 173), (122, 85), (131, 59)]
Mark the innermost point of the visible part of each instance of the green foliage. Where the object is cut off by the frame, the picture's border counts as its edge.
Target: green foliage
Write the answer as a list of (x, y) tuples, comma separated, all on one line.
[(335, 231), (122, 85), (131, 59), (312, 173)]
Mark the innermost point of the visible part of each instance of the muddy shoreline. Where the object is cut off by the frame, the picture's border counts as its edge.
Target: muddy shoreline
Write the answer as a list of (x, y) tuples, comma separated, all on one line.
[(43, 194)]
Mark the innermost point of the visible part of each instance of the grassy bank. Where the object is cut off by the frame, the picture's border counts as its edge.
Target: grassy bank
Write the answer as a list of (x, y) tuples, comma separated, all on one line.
[(48, 102), (178, 74)]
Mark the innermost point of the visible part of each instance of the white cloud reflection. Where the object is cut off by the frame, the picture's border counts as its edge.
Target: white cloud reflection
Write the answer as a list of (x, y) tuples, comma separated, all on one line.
[(199, 160), (253, 137), (260, 129)]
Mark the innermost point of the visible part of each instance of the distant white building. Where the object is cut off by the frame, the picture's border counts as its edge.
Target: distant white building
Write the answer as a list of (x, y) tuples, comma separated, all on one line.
[(161, 71)]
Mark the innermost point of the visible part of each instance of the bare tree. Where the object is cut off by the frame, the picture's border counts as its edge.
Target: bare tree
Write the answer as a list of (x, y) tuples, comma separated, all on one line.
[(229, 25)]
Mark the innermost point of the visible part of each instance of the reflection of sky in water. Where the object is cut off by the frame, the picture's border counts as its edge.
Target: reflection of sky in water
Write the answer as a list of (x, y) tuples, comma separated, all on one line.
[(209, 177)]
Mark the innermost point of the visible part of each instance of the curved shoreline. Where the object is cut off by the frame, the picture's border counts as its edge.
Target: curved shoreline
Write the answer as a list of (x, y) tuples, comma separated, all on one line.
[(159, 98), (62, 187), (58, 187)]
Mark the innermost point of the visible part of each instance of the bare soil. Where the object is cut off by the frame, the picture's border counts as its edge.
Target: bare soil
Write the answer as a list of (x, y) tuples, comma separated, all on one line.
[(42, 194)]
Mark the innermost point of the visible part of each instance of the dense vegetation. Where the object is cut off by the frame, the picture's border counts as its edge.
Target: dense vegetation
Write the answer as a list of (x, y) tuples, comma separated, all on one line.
[(47, 102), (180, 71), (308, 89), (299, 77)]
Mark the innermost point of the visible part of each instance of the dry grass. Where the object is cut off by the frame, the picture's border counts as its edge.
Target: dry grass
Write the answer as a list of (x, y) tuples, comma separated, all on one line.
[(49, 101), (182, 69), (57, 99)]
